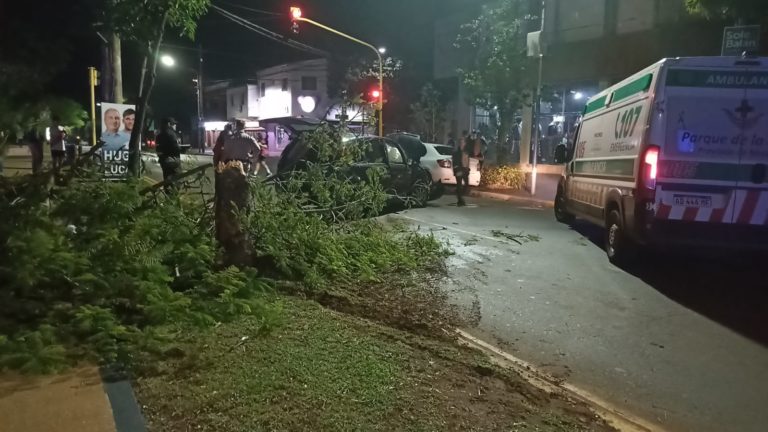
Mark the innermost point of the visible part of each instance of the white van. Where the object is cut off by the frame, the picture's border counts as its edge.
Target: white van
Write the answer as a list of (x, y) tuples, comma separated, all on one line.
[(675, 154)]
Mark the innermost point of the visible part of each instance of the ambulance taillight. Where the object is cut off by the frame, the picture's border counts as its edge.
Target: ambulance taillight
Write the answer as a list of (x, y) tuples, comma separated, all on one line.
[(650, 167)]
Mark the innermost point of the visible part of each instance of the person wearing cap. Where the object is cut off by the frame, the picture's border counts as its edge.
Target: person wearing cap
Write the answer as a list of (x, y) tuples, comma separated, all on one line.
[(218, 148), (239, 146), (168, 148)]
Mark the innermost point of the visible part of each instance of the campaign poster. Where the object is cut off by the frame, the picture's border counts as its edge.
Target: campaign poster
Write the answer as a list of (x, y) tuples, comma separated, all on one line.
[(116, 127)]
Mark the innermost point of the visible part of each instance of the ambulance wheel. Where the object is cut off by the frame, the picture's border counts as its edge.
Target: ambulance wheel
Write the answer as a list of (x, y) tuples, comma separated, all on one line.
[(617, 245), (561, 213)]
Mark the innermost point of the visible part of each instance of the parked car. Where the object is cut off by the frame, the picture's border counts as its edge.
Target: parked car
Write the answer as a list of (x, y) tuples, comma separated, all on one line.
[(438, 161), (417, 151), (403, 178)]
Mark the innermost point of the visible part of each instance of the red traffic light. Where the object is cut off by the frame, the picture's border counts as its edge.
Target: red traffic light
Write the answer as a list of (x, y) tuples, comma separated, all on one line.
[(295, 12), (376, 94)]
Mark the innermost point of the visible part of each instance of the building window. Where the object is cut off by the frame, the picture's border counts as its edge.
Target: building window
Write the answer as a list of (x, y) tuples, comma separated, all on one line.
[(309, 83), (263, 89), (285, 84)]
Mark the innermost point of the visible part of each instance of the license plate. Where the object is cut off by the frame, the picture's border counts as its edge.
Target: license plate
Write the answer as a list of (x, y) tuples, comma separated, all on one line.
[(693, 201)]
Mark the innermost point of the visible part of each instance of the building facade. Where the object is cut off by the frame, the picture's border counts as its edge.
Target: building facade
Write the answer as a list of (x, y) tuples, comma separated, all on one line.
[(589, 45)]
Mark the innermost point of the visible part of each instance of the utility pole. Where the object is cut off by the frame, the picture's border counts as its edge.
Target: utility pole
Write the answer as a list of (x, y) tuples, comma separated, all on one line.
[(537, 107), (117, 68), (93, 81), (200, 106)]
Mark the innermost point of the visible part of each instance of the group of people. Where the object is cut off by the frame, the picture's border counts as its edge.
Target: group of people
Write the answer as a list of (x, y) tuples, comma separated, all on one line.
[(237, 145), (58, 142), (233, 144), (470, 145)]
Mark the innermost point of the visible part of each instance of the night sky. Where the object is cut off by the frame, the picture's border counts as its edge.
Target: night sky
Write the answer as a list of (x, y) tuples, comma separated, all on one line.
[(405, 27)]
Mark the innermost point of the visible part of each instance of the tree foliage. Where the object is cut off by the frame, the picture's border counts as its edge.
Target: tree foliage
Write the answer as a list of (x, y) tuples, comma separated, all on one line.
[(497, 76), (98, 271), (429, 114), (750, 11)]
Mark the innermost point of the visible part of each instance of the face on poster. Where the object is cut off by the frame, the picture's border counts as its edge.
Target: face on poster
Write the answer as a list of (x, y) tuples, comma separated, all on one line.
[(117, 122)]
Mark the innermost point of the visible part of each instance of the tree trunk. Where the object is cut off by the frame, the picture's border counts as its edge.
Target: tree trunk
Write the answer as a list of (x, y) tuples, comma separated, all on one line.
[(134, 159), (117, 69), (232, 197)]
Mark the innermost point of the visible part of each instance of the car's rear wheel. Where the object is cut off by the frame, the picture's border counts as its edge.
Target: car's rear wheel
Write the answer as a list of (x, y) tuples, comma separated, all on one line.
[(618, 246), (561, 212), (420, 193)]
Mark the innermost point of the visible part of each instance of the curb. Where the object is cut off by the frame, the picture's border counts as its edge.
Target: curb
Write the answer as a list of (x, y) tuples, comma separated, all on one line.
[(125, 408), (505, 197), (620, 420)]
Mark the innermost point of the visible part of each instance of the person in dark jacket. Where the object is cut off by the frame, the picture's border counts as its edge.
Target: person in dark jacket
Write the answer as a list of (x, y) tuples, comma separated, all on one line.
[(218, 148), (35, 142), (460, 161), (168, 148)]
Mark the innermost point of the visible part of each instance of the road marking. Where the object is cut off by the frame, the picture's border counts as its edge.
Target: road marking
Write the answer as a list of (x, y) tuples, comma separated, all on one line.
[(620, 420), (461, 231)]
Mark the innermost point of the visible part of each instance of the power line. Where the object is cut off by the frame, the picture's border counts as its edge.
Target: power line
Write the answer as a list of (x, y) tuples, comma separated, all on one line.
[(239, 6), (268, 33)]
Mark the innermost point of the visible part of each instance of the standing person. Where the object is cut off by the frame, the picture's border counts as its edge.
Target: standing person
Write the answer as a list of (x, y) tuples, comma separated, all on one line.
[(451, 140), (240, 147), (35, 142), (168, 149), (261, 158), (218, 148), (462, 141), (58, 143), (460, 162), (478, 149)]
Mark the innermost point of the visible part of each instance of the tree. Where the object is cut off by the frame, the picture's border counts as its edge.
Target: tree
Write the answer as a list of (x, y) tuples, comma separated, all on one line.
[(429, 114), (145, 22), (746, 11), (497, 77)]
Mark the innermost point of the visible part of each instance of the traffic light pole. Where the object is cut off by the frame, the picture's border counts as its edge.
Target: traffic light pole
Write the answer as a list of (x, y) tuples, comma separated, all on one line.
[(92, 81), (378, 55)]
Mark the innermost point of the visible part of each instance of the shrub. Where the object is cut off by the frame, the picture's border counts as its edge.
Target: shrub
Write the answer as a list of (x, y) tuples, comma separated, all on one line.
[(503, 177), (95, 271)]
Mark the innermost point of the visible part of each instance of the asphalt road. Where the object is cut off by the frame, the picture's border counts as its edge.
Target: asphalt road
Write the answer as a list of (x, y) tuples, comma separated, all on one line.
[(679, 341)]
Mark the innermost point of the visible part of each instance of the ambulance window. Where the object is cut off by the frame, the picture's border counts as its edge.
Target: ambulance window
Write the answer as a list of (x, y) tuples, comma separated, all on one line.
[(609, 99)]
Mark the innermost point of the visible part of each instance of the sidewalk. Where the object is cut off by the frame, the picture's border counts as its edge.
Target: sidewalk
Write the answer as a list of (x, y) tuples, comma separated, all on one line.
[(75, 401), (546, 189)]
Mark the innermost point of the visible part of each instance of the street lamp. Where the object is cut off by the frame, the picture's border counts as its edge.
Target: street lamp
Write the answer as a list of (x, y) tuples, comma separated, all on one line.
[(167, 60), (382, 50), (578, 95), (170, 62), (296, 15)]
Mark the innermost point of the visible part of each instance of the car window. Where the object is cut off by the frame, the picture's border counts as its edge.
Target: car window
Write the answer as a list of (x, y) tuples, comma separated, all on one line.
[(444, 150), (374, 151), (393, 155)]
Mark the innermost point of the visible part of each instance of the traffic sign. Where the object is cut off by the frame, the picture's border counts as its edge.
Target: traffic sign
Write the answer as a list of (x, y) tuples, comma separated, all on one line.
[(740, 39)]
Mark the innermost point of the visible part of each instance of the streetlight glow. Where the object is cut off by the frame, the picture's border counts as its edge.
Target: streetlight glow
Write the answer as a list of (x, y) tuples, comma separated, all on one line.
[(167, 60), (382, 50), (578, 95), (296, 12)]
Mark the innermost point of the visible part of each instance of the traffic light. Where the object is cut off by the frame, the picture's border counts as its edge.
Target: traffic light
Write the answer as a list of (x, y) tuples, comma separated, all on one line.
[(95, 77), (375, 96), (295, 17)]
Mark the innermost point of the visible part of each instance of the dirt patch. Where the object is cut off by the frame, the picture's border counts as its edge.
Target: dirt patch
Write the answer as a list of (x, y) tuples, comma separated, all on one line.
[(423, 309)]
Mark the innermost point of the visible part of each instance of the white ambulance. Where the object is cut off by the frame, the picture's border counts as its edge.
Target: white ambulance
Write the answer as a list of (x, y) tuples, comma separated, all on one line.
[(676, 154)]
